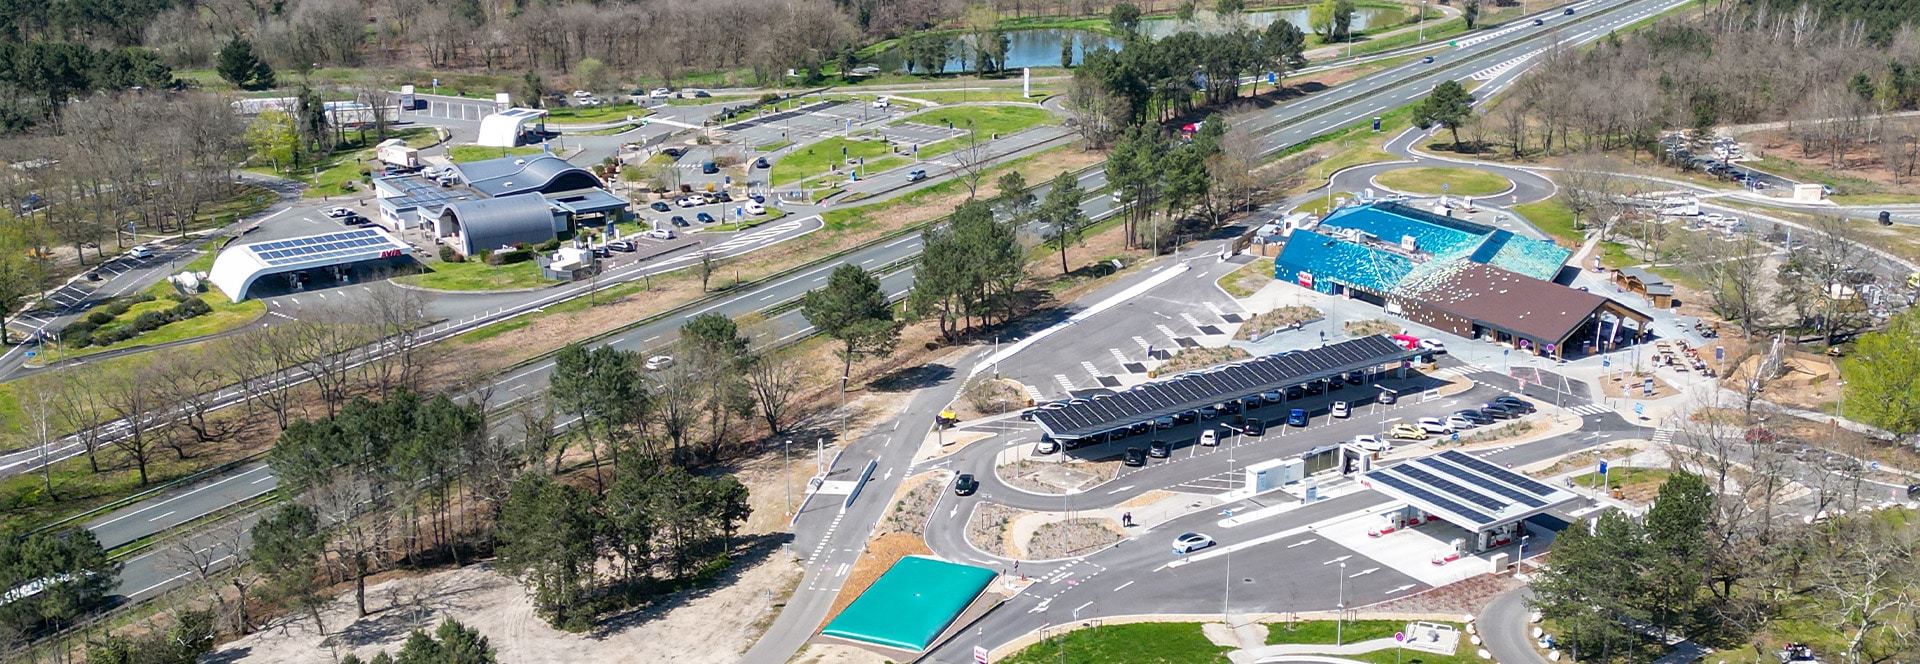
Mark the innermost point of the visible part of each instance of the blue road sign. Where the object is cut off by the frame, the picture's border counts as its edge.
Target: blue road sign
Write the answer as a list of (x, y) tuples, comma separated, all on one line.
[(1603, 467), (1606, 362), (1639, 408), (1719, 353), (1270, 77)]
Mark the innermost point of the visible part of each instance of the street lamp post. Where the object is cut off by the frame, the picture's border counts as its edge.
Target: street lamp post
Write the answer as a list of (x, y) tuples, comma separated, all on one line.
[(1340, 619), (786, 468)]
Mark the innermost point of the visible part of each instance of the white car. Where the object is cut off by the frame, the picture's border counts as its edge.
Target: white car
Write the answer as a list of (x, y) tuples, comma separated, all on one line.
[(692, 201), (1191, 542), (881, 102), (1340, 409), (581, 94), (1208, 438), (1433, 425), (1433, 346), (755, 208), (140, 251), (1458, 423), (659, 233), (660, 93), (338, 212), (1370, 443), (659, 362)]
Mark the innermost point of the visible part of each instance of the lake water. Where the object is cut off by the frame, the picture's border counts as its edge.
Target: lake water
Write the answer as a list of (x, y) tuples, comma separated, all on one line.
[(1041, 47)]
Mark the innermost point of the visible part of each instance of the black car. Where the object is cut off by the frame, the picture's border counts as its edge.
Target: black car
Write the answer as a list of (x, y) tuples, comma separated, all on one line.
[(1256, 427), (1316, 388), (709, 168), (704, 218), (756, 198), (1499, 412), (723, 196), (1159, 449), (1356, 378), (1569, 11), (1427, 60), (1028, 414), (1231, 407), (1134, 457), (1336, 385), (661, 206), (680, 221), (671, 152), (1117, 434), (1514, 403), (761, 163), (1476, 417), (1539, 21), (601, 252), (1296, 392), (1186, 417), (965, 485)]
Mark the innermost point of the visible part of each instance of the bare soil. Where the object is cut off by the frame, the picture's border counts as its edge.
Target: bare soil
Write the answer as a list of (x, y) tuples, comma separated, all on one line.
[(987, 528), (713, 625), (882, 552), (1199, 358), (990, 396), (1465, 598), (910, 505), (1278, 318), (1072, 537), (834, 653), (1629, 386), (1361, 328)]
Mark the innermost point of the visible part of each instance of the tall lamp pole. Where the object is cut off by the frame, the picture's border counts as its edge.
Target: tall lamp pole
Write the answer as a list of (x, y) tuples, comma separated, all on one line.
[(786, 468), (1340, 619)]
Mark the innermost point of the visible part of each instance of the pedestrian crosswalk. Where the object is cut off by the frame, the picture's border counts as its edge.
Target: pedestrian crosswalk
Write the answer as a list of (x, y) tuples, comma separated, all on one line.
[(1588, 409), (1663, 435), (1064, 383)]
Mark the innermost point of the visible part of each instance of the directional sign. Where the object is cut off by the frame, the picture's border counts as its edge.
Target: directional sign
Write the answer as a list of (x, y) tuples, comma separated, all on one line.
[(1719, 353), (1648, 387), (979, 655), (1639, 408), (1603, 466), (1400, 636)]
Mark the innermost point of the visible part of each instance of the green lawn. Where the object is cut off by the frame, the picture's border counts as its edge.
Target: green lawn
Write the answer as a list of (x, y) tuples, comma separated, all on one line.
[(1554, 218), (985, 121), (716, 99), (990, 94), (466, 153), (1139, 643), (226, 315), (1874, 199), (1628, 479), (596, 115), (819, 158), (1322, 631), (329, 175), (769, 147), (1448, 180), (475, 275), (749, 222)]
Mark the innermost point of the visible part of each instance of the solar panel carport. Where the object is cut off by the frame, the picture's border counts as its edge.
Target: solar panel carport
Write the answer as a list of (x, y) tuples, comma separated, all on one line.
[(1466, 491), (1197, 390), (238, 267)]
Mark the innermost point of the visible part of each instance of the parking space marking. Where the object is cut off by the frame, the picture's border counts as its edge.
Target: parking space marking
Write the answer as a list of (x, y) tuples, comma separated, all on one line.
[(1064, 383)]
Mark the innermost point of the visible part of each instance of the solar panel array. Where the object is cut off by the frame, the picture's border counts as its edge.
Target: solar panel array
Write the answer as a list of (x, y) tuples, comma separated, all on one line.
[(1467, 490), (330, 246), (1191, 391), (418, 192)]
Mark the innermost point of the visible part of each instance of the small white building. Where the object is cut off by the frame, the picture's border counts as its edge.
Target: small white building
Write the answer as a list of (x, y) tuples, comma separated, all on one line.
[(510, 127)]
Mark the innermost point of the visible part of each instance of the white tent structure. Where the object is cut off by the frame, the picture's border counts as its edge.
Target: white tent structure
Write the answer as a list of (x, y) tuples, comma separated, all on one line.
[(504, 129)]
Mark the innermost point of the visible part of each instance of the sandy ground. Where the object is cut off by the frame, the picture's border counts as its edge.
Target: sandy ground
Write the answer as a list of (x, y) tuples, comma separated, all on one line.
[(710, 626), (831, 653)]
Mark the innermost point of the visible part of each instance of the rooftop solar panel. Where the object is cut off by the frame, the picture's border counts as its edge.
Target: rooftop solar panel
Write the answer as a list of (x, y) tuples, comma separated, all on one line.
[(1414, 472), (1457, 509), (1497, 472), (1483, 483)]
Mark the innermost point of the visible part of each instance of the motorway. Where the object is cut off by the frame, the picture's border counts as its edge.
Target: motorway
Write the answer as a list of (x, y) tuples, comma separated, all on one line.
[(1341, 106)]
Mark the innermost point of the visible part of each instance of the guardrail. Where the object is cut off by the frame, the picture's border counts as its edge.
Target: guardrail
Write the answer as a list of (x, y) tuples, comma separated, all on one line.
[(865, 474), (195, 478)]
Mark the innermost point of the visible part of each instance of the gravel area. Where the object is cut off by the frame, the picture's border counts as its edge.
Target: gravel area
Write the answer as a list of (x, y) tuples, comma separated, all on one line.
[(1072, 537), (911, 504), (987, 527)]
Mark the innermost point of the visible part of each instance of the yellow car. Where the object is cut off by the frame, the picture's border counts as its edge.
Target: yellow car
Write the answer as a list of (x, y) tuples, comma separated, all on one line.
[(1406, 431)]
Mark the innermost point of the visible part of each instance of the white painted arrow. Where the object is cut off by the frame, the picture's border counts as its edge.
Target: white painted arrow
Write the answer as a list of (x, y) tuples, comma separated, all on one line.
[(1302, 543), (1335, 560), (1364, 572)]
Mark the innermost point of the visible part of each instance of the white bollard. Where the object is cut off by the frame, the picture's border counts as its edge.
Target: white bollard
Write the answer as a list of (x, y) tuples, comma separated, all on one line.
[(1484, 654)]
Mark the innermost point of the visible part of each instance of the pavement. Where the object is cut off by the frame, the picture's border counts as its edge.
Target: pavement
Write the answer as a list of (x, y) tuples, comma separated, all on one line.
[(1505, 631)]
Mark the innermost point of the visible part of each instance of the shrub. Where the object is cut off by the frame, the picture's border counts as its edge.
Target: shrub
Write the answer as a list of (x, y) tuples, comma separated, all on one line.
[(549, 245), (509, 257), (81, 340), (768, 98), (151, 320), (449, 255), (190, 308), (141, 297), (99, 318), (80, 327)]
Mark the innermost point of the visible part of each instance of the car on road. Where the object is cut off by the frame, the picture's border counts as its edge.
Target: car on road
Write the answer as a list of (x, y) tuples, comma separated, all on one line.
[(356, 220), (621, 245), (680, 221), (1433, 346), (709, 168), (757, 198), (1190, 542), (660, 206), (661, 93), (659, 233), (1539, 21), (1340, 409), (754, 208), (1458, 423), (965, 485), (1387, 395), (1569, 11), (671, 152), (659, 362), (140, 251), (1499, 412), (1371, 443), (601, 252), (762, 163), (1159, 449), (1134, 457), (1427, 60), (1208, 437), (1433, 425), (1407, 432), (338, 212), (1476, 417), (1297, 418), (916, 175), (703, 218), (1515, 404)]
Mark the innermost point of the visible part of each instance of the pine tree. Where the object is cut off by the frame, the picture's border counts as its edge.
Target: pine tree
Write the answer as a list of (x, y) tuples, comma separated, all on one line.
[(239, 66)]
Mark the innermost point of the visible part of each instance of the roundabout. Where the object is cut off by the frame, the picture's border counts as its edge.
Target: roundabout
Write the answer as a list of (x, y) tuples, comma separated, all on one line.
[(1438, 180)]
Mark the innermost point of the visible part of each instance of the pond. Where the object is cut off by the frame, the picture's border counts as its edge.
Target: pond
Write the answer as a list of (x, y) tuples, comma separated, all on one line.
[(1041, 47)]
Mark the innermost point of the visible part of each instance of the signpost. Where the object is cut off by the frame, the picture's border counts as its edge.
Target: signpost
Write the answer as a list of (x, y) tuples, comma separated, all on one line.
[(1647, 387), (1399, 642)]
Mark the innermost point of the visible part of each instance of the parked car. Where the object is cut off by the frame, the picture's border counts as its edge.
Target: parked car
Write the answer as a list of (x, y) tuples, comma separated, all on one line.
[(1046, 446), (1296, 392), (621, 245), (1476, 417), (1297, 418), (691, 201), (1356, 378), (1498, 412), (659, 362), (1209, 412), (601, 252), (916, 175), (1164, 422), (1190, 542), (721, 196), (1208, 438), (1186, 417), (661, 93), (703, 218), (1134, 457), (659, 233), (1458, 423), (1271, 397), (1371, 443), (1317, 387), (1387, 396), (140, 251), (1256, 427), (338, 212), (965, 485), (1340, 409), (1407, 432), (1140, 428), (660, 206), (1336, 384), (680, 221), (1433, 346), (1159, 449), (1433, 425)]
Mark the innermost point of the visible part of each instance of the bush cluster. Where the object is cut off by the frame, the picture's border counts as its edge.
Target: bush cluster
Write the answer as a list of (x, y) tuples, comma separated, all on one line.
[(93, 330), (448, 255)]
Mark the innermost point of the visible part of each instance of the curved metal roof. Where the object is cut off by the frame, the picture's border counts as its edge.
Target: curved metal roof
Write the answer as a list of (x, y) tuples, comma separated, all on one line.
[(238, 266), (517, 175), (492, 223)]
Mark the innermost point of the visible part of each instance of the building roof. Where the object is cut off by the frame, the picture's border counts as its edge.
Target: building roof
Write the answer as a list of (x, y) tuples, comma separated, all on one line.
[(517, 175), (1190, 391), (911, 604), (415, 191), (503, 129), (1377, 245), (1465, 490), (491, 223), (1535, 309), (238, 266), (585, 201), (1653, 283), (1333, 259)]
